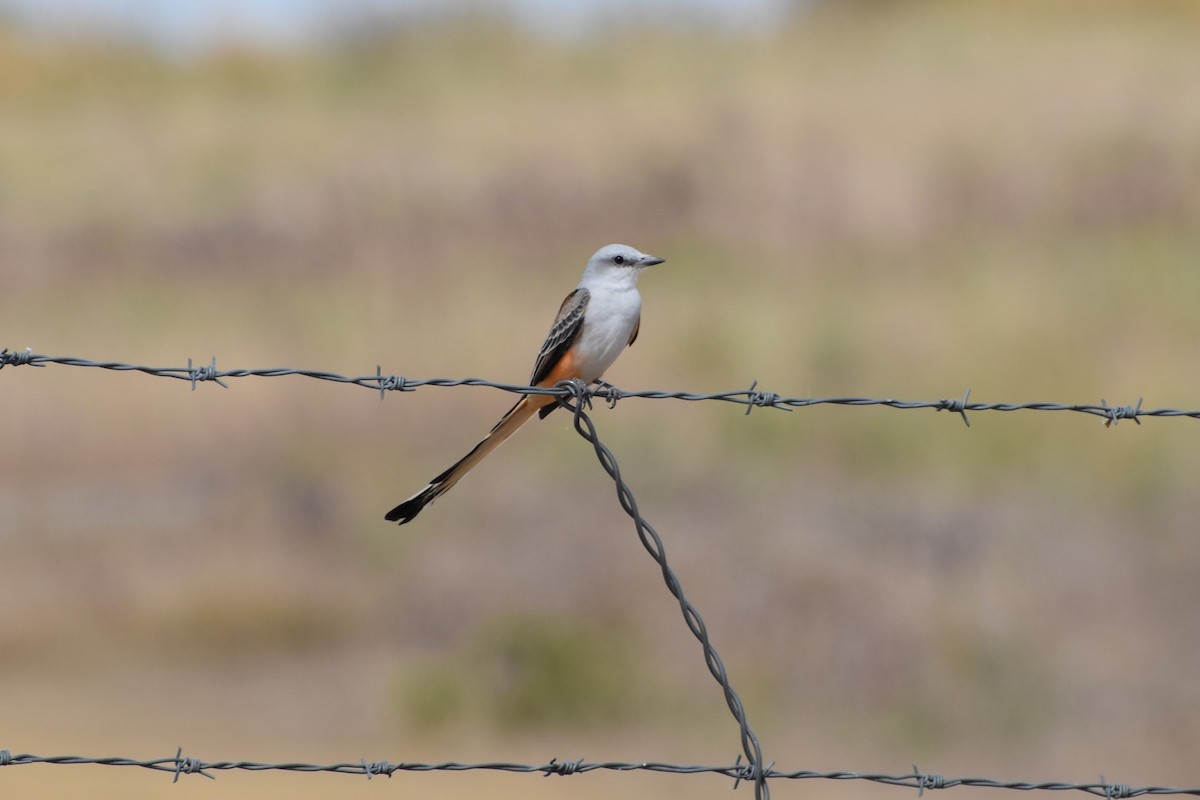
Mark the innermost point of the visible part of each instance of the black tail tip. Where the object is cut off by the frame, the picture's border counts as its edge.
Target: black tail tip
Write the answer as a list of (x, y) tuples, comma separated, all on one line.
[(405, 512), (408, 510)]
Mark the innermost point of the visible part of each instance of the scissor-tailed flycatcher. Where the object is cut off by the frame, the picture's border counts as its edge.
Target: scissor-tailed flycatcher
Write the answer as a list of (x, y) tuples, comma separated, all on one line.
[(595, 323)]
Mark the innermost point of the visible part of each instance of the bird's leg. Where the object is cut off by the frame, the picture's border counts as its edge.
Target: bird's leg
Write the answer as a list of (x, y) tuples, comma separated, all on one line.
[(584, 395), (606, 390), (579, 393)]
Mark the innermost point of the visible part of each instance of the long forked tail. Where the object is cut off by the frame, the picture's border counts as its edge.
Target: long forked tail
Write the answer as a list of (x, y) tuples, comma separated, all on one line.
[(506, 427)]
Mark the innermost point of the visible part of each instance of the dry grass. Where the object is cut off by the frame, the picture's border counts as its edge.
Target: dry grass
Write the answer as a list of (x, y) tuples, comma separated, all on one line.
[(902, 201)]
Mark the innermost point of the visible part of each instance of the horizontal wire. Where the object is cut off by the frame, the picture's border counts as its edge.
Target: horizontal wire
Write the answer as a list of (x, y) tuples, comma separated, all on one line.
[(750, 397), (179, 764)]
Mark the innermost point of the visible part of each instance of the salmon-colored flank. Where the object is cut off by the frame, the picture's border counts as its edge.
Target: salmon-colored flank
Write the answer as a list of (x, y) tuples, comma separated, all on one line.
[(564, 370)]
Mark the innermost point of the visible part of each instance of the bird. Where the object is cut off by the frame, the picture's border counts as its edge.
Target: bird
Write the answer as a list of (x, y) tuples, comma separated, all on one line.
[(595, 323)]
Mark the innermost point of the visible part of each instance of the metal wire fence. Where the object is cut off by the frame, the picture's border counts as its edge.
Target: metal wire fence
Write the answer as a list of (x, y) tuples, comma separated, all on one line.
[(577, 397)]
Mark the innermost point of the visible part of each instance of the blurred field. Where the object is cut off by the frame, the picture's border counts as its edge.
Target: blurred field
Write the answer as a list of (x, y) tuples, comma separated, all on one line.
[(895, 200)]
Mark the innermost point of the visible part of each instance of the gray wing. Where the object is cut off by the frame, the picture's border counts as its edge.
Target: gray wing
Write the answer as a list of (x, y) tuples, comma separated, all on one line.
[(562, 334)]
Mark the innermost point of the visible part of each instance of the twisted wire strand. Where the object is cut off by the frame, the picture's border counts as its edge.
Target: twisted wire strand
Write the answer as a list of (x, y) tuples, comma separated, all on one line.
[(653, 544)]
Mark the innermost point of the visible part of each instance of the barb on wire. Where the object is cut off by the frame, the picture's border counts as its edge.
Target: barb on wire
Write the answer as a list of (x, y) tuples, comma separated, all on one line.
[(1119, 413), (189, 766), (751, 397), (959, 406), (766, 399), (208, 373), (928, 781)]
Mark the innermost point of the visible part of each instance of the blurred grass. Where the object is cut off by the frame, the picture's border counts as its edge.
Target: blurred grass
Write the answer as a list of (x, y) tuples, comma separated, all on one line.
[(872, 199), (530, 673)]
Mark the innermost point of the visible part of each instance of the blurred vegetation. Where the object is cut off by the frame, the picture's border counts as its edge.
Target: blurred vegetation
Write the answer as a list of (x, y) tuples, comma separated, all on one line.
[(533, 674), (879, 199)]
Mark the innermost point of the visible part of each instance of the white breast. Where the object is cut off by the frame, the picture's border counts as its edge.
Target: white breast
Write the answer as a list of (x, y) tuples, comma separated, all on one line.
[(608, 323)]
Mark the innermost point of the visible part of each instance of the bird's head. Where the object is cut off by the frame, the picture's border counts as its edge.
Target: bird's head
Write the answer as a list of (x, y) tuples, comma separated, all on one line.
[(618, 259)]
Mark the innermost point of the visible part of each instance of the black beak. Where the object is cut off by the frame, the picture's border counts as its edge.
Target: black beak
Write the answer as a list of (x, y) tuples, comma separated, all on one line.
[(650, 261)]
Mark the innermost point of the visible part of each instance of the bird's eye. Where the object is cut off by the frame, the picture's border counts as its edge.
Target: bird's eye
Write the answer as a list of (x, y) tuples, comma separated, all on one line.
[(618, 259)]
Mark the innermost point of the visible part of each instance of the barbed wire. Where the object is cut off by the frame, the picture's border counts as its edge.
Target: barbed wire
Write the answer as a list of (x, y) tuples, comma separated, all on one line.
[(577, 397), (180, 764), (751, 397)]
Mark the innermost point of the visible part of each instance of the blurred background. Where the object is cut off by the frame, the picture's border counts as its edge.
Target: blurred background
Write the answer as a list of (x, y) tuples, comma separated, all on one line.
[(887, 199)]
